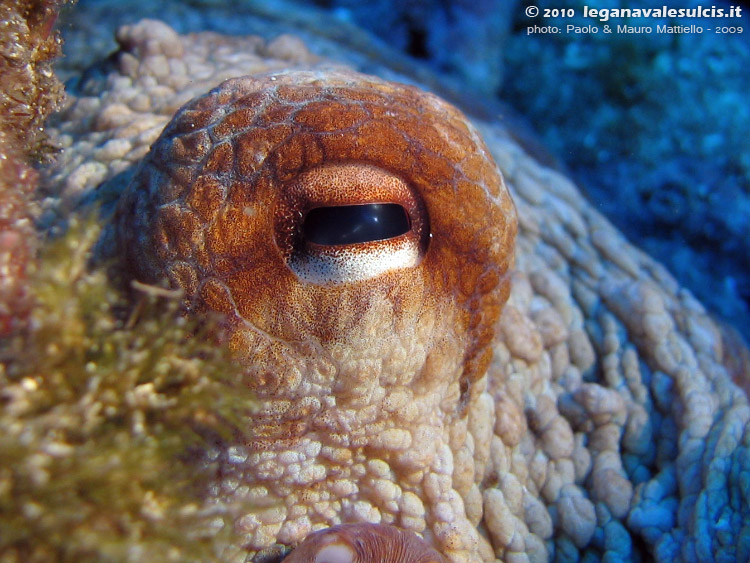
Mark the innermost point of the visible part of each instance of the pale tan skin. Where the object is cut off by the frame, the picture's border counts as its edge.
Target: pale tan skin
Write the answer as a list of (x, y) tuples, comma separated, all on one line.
[(367, 374)]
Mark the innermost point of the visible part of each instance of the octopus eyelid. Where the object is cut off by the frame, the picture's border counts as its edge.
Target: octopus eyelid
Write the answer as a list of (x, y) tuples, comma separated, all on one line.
[(349, 221)]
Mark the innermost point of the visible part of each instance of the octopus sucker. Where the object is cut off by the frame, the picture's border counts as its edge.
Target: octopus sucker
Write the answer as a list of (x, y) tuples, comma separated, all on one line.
[(364, 543), (357, 237)]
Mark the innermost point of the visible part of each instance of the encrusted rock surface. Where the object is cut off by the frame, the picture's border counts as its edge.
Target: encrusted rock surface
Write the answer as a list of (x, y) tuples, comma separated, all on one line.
[(29, 92), (608, 425)]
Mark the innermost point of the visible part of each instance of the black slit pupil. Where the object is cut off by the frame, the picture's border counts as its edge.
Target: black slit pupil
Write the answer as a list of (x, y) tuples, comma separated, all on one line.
[(352, 224)]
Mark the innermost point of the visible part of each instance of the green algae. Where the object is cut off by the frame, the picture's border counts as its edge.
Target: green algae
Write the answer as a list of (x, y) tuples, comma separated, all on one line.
[(108, 421)]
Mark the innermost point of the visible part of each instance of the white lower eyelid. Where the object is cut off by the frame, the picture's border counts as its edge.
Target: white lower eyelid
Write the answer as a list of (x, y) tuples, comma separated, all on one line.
[(343, 265)]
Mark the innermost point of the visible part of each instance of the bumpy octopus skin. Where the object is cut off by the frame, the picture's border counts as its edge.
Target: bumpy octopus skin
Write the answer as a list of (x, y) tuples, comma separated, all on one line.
[(357, 237)]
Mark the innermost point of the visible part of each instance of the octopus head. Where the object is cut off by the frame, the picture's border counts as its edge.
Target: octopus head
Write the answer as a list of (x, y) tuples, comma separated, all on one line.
[(355, 234)]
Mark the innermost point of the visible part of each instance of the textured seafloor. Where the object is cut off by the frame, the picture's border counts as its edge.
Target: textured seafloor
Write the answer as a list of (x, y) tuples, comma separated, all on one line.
[(612, 427)]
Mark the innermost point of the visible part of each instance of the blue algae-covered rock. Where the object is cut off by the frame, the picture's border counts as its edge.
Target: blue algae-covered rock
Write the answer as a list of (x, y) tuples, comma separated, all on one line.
[(462, 38), (654, 125)]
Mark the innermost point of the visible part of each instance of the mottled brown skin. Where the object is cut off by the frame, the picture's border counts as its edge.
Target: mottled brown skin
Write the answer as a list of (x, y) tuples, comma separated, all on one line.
[(364, 543), (366, 378)]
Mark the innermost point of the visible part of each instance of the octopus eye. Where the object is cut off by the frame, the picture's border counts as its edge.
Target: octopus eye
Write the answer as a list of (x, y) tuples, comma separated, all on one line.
[(353, 224), (350, 222)]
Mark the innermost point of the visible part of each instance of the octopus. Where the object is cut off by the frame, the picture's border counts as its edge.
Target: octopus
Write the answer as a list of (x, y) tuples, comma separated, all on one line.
[(506, 381)]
